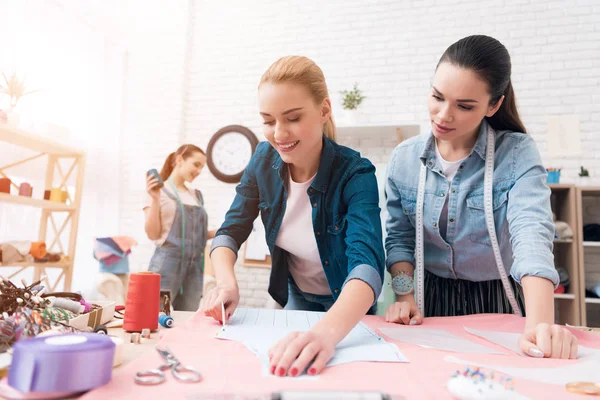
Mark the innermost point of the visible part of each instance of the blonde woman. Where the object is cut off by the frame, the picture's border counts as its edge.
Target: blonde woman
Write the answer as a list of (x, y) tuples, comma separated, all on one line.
[(319, 204)]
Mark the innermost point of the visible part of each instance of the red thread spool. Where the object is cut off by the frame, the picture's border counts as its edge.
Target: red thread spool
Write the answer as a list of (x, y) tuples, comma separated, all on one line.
[(5, 185), (142, 304)]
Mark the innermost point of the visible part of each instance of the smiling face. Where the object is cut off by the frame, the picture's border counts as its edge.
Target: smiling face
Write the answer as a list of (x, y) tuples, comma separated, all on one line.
[(458, 102), (189, 168), (293, 122)]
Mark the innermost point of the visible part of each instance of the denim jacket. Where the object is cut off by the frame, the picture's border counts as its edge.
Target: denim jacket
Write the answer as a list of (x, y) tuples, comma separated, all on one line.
[(346, 216), (521, 204)]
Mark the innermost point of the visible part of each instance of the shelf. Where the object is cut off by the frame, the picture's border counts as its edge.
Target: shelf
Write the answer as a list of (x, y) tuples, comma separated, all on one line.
[(36, 143), (60, 264), (591, 244), (28, 201), (563, 241), (592, 300), (564, 296), (561, 186)]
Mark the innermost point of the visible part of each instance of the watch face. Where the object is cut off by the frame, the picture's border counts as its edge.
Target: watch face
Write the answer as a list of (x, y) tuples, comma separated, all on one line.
[(231, 153)]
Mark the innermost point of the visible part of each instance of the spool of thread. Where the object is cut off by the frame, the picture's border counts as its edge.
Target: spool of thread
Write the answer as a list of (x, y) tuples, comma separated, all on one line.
[(68, 364), (87, 306), (56, 195), (146, 333), (142, 303), (67, 304), (135, 338), (165, 320), (46, 195), (5, 185), (25, 189)]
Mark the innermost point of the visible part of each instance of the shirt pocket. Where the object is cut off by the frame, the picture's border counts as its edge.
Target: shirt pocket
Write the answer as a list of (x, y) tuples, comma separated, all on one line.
[(336, 232), (408, 199), (475, 221)]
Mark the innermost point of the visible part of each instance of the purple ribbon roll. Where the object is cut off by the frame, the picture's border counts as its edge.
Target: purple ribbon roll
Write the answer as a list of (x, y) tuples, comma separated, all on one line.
[(61, 363)]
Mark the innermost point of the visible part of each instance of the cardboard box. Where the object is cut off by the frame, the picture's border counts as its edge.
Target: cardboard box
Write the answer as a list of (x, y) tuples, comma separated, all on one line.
[(100, 316)]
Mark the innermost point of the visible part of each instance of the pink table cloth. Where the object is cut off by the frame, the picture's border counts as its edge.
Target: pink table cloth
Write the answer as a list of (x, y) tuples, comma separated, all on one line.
[(228, 367)]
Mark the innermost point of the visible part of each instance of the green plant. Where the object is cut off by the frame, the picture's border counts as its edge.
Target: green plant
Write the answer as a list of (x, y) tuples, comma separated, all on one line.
[(352, 98), (14, 88), (584, 172)]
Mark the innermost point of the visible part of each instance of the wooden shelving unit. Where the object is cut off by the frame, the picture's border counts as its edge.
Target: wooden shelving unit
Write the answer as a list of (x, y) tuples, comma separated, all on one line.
[(566, 254), (54, 177), (588, 197)]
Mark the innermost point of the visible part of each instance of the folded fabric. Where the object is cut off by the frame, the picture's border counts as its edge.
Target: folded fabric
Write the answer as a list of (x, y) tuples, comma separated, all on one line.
[(110, 243), (125, 243), (23, 246), (109, 261), (10, 254), (119, 267), (102, 251), (563, 230)]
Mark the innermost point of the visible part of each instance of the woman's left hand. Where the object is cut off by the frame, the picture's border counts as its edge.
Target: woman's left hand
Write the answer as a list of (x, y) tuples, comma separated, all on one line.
[(292, 355), (550, 341)]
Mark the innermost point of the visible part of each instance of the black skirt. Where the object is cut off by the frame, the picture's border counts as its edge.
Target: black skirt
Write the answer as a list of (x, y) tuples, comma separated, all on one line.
[(453, 297)]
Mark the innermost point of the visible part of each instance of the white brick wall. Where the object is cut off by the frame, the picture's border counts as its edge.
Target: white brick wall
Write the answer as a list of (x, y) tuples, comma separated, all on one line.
[(389, 47)]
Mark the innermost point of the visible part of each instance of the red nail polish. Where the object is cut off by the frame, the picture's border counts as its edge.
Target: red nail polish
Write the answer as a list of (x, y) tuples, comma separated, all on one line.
[(281, 371), (312, 371), (273, 369), (293, 372)]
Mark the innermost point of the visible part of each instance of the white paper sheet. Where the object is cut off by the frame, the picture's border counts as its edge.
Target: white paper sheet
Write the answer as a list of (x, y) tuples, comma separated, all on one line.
[(578, 371), (436, 339), (511, 341), (564, 137), (260, 329)]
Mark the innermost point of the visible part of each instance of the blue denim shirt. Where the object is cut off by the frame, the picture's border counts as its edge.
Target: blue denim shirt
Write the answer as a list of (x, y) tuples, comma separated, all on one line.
[(345, 216), (521, 203)]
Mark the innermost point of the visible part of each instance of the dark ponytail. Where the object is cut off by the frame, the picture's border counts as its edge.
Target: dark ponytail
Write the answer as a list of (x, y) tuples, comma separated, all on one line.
[(489, 58), (184, 151)]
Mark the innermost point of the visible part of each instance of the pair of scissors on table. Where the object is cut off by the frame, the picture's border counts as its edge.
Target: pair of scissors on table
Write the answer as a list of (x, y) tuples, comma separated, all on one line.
[(156, 376)]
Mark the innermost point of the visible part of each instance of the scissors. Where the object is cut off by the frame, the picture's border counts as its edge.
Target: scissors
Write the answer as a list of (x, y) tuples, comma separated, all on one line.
[(156, 376)]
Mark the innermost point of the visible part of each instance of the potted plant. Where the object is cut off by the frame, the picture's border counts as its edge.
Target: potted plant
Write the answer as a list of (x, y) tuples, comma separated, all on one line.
[(584, 176), (351, 99), (14, 88)]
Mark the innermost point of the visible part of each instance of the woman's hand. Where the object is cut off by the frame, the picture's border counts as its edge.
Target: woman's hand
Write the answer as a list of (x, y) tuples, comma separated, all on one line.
[(228, 295), (550, 341), (152, 187), (301, 350), (404, 312)]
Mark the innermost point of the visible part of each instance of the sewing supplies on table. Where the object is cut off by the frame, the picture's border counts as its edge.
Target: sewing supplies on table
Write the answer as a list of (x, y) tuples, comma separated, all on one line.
[(156, 376), (142, 303), (473, 384), (146, 333), (136, 338), (165, 320), (69, 363), (587, 388)]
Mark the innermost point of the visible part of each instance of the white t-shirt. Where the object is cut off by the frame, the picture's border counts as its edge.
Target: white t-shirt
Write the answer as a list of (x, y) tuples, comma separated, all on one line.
[(449, 169), (168, 208), (297, 237)]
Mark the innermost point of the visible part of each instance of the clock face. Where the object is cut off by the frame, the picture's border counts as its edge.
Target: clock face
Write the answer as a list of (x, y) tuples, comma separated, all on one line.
[(229, 151)]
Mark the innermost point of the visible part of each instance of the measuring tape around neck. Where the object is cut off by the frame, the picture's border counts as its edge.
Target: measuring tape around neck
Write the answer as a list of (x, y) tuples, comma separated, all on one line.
[(489, 218)]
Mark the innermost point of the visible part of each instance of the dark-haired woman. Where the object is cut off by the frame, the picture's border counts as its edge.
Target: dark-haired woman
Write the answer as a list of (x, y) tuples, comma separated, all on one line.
[(177, 223), (470, 226)]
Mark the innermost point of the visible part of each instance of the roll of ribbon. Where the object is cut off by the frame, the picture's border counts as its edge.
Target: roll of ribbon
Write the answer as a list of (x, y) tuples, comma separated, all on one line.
[(4, 185), (142, 303), (68, 363), (25, 189)]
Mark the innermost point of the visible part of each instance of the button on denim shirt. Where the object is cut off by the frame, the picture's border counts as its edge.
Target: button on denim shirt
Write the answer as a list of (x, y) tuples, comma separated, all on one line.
[(345, 216), (521, 204)]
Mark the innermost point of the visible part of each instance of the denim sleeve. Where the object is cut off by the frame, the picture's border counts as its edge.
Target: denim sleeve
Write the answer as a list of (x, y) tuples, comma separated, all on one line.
[(530, 217), (400, 240), (242, 213), (364, 242)]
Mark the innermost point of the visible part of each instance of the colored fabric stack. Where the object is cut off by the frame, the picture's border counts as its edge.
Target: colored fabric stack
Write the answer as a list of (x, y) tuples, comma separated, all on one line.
[(23, 250), (112, 253)]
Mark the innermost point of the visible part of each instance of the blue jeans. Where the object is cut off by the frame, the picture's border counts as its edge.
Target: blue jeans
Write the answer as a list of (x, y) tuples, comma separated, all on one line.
[(299, 300)]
